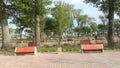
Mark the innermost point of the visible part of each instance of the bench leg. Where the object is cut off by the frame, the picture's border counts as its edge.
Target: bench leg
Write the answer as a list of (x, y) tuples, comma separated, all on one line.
[(82, 51), (35, 51), (15, 54), (102, 50)]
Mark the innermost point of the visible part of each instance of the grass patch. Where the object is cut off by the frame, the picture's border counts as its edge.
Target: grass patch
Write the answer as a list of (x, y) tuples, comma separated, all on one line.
[(6, 52), (9, 51), (108, 48), (68, 48), (47, 48), (116, 47)]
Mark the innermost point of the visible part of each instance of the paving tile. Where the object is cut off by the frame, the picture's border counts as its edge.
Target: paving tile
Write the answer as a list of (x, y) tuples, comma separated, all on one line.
[(109, 59)]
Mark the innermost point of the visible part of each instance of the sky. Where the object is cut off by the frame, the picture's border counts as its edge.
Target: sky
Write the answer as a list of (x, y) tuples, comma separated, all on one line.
[(86, 9), (79, 4), (11, 25)]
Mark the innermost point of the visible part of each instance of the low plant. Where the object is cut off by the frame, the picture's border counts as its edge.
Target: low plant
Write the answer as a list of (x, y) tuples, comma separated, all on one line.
[(10, 50), (68, 48), (116, 47), (47, 48)]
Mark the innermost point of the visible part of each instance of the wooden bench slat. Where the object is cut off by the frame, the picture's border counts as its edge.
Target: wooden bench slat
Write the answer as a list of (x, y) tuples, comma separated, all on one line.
[(92, 47), (31, 44), (23, 50), (84, 41)]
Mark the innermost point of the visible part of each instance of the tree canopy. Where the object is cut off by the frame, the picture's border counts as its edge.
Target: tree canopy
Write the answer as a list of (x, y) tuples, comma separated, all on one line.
[(110, 7), (63, 16)]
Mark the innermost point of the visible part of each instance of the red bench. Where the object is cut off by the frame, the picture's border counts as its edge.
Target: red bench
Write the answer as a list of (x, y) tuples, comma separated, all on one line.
[(84, 41), (31, 44), (41, 40), (92, 47), (25, 50)]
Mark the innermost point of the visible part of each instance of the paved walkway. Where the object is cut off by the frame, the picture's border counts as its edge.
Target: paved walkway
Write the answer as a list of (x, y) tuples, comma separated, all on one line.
[(108, 59)]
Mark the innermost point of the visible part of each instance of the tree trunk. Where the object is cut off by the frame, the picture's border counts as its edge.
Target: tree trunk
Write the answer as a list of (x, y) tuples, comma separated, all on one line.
[(78, 35), (104, 28), (37, 31), (59, 40), (5, 34), (37, 25), (118, 32), (111, 24), (20, 33), (5, 29)]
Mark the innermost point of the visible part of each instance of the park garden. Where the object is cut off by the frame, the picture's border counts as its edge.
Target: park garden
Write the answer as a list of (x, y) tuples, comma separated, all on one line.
[(51, 25)]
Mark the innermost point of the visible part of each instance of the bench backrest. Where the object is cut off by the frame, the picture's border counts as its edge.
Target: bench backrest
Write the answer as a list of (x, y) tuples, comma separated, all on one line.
[(31, 44), (41, 40), (84, 41)]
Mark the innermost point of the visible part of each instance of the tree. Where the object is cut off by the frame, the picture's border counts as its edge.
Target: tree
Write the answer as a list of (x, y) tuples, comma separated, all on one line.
[(50, 26), (117, 26), (81, 20), (84, 19), (93, 26), (101, 27), (77, 16), (108, 6), (30, 13), (86, 30), (5, 10), (104, 20), (63, 16)]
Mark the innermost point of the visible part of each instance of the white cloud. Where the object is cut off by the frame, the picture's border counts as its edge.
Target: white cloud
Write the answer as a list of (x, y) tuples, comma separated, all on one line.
[(76, 1)]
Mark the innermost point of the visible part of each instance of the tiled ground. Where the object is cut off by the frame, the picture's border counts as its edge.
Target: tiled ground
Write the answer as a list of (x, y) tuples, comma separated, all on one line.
[(108, 59)]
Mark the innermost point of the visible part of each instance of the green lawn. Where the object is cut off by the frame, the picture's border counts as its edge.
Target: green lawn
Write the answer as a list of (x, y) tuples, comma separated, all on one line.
[(9, 51), (48, 48), (70, 48), (116, 47), (65, 48)]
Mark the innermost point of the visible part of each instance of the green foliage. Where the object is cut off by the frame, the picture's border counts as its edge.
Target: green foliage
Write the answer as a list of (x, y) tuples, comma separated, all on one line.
[(47, 48), (72, 48), (50, 26), (10, 51), (100, 28), (116, 47), (62, 14), (110, 7), (105, 5), (82, 20), (117, 26), (25, 13), (117, 23), (86, 29), (93, 26), (77, 15)]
